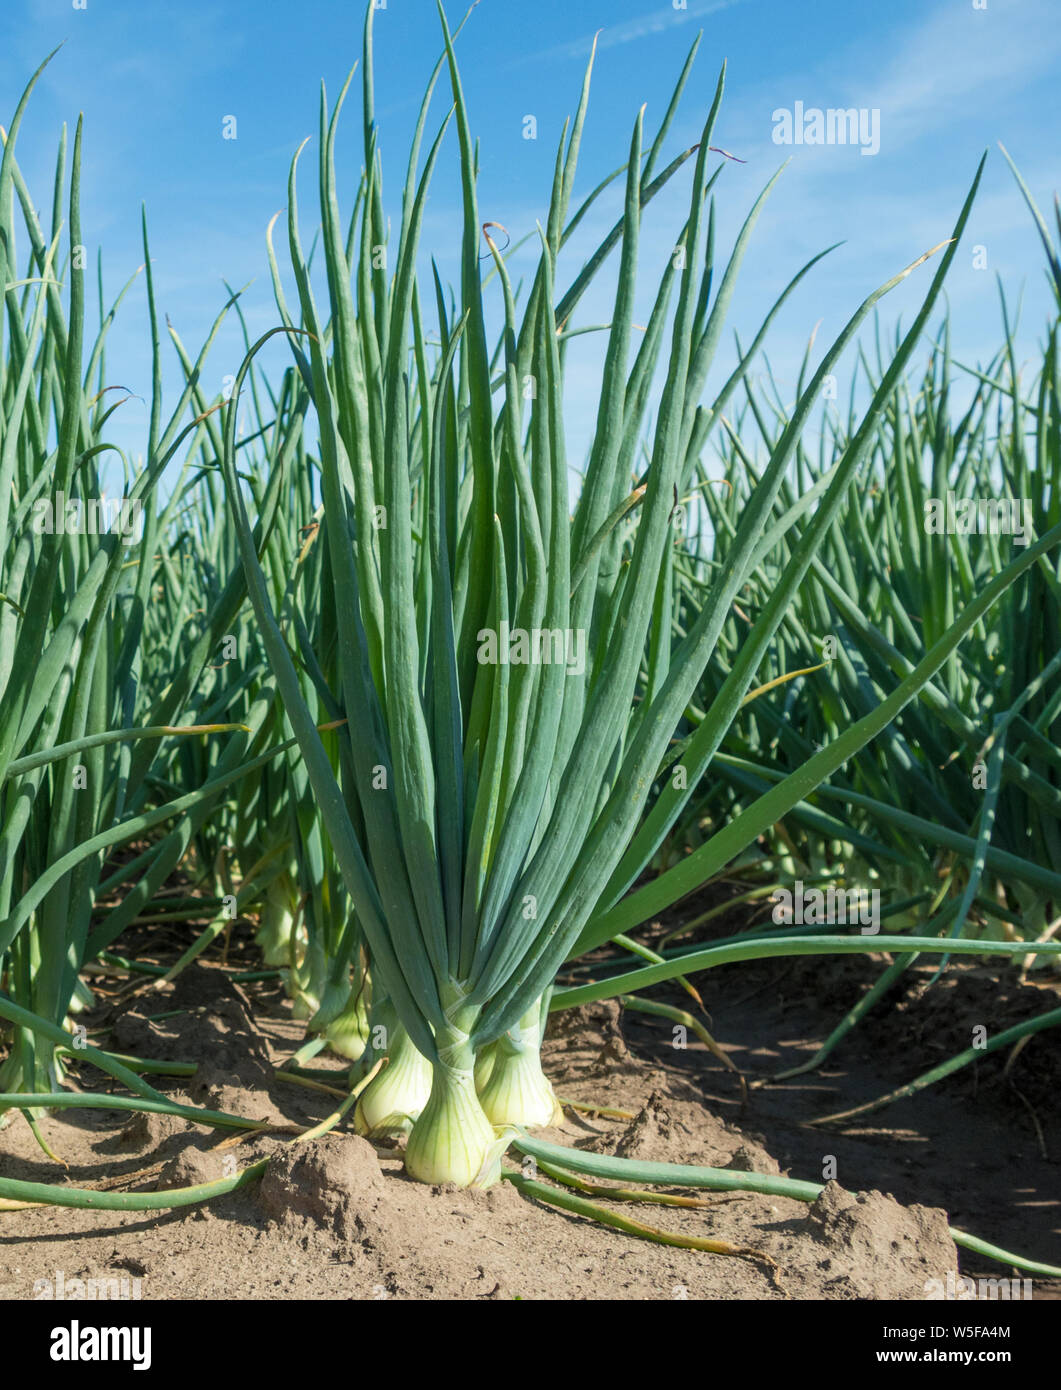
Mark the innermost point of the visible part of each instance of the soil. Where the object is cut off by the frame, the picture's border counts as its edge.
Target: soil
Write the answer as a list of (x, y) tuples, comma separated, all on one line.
[(335, 1218)]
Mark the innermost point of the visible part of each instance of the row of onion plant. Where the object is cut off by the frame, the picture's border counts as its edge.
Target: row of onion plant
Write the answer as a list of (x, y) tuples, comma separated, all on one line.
[(466, 819), (952, 814)]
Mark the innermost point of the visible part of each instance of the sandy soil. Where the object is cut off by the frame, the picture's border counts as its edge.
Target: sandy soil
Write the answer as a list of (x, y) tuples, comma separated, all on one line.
[(336, 1218)]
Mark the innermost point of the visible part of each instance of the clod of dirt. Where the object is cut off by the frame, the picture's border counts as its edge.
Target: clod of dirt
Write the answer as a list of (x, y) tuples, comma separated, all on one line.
[(589, 1022), (875, 1248), (215, 1028), (753, 1158), (252, 1103), (331, 1181), (598, 1029), (147, 1132), (202, 985), (191, 1168), (669, 1130), (134, 1032), (651, 1128)]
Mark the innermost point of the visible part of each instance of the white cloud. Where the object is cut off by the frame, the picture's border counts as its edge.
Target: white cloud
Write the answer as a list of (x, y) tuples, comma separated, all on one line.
[(659, 21), (960, 55)]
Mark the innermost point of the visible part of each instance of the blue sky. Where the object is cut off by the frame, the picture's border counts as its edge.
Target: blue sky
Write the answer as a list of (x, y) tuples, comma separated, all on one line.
[(156, 81)]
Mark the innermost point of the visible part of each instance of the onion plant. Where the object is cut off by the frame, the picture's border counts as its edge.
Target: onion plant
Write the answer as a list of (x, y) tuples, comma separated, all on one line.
[(975, 753), (471, 711), (487, 807), (953, 812), (93, 697)]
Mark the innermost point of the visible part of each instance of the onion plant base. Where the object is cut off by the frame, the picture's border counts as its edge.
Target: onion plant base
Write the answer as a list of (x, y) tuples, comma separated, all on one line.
[(452, 1139), (513, 1089), (400, 1092)]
